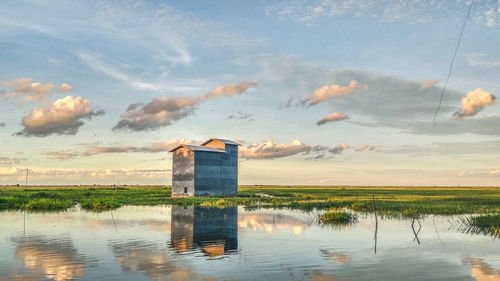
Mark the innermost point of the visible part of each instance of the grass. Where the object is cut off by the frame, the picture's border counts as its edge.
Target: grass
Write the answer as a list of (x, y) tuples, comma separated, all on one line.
[(337, 217), (483, 224), (390, 201)]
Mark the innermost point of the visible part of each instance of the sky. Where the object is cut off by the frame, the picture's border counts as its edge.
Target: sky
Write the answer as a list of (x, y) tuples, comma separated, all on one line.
[(332, 92)]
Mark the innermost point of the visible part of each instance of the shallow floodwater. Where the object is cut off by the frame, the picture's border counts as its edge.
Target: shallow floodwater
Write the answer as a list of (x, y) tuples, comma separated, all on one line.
[(177, 243)]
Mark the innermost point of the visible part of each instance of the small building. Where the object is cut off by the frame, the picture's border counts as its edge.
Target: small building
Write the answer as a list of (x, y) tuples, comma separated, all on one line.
[(207, 169)]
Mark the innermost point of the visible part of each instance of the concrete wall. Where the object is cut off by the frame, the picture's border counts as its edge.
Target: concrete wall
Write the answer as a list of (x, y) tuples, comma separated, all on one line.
[(216, 173), (183, 172)]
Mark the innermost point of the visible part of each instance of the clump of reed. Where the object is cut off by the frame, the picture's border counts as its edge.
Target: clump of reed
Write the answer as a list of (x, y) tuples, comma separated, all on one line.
[(337, 217), (96, 205), (483, 224), (221, 203), (43, 204)]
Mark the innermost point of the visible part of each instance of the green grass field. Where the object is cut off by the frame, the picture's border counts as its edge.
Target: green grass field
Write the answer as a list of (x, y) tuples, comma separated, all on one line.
[(391, 201)]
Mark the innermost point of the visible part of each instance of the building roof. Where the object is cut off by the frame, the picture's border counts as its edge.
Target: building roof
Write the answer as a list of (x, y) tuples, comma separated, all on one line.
[(198, 148), (221, 140)]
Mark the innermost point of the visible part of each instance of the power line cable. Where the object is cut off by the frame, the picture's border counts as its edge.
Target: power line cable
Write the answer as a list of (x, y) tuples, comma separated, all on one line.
[(452, 61)]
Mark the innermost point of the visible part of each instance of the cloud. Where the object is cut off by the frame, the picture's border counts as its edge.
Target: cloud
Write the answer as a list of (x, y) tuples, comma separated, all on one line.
[(59, 155), (62, 117), (29, 91), (229, 90), (242, 116), (326, 92), (288, 103), (109, 149), (165, 146), (271, 150), (339, 148), (429, 83), (41, 175), (481, 61), (391, 102), (10, 161), (475, 173), (365, 147), (335, 116), (155, 147), (411, 11), (474, 102), (161, 112)]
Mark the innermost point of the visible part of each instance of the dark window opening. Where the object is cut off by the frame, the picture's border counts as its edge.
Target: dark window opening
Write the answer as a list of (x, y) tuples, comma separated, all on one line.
[(185, 190)]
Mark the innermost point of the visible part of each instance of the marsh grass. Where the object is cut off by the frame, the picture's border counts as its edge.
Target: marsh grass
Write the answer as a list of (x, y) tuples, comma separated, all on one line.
[(483, 224), (96, 205), (39, 204), (390, 201), (337, 217)]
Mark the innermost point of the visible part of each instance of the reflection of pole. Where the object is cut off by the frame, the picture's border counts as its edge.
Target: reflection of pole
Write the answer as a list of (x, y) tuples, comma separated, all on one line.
[(415, 217), (24, 215), (376, 224), (113, 218)]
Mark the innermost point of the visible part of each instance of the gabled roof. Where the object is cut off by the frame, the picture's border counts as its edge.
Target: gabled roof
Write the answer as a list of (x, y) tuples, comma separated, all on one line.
[(221, 140), (198, 148)]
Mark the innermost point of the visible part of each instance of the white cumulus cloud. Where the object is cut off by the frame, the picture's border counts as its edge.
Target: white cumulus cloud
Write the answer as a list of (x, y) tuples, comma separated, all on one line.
[(63, 117), (474, 102)]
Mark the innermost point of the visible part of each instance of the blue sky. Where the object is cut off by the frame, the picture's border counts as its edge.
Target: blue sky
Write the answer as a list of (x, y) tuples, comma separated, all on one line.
[(98, 91)]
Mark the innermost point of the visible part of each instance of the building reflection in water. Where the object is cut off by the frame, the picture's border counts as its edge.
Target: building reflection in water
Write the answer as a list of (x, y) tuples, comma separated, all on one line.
[(214, 231)]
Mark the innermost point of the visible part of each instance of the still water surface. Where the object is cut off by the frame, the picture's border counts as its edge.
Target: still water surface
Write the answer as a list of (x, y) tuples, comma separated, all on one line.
[(177, 243)]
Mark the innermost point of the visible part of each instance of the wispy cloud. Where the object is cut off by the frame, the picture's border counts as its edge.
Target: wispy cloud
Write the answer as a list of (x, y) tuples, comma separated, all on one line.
[(482, 61), (155, 147), (161, 112), (62, 117), (429, 83), (327, 92), (40, 175), (332, 117), (28, 91), (339, 148), (11, 160), (60, 155), (242, 116), (288, 103), (271, 150), (365, 147), (411, 11)]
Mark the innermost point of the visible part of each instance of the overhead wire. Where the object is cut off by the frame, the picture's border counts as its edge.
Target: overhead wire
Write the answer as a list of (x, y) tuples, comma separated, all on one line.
[(452, 61)]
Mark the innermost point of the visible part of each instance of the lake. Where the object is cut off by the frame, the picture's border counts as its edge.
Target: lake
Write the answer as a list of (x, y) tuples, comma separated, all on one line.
[(186, 243)]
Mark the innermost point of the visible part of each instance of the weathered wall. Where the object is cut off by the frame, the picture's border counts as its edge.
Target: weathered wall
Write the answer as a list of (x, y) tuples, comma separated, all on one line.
[(216, 144), (183, 172), (216, 173)]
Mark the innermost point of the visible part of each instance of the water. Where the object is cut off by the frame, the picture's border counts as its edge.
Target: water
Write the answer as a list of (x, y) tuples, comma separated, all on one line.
[(177, 243)]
